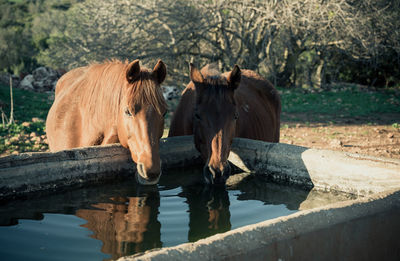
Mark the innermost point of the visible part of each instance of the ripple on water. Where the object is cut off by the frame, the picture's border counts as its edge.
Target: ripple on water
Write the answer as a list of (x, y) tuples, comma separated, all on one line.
[(56, 237)]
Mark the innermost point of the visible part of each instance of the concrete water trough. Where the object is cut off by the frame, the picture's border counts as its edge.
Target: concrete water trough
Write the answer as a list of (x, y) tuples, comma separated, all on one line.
[(363, 229)]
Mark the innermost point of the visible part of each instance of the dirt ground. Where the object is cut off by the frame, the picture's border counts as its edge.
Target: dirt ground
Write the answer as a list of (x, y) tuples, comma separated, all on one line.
[(375, 136)]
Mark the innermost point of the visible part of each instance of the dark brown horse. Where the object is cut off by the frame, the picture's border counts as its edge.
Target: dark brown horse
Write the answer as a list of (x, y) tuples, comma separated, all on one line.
[(110, 103), (217, 107)]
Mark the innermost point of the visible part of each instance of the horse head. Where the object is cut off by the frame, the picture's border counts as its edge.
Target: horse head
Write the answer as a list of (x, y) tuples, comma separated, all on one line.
[(141, 119), (214, 120)]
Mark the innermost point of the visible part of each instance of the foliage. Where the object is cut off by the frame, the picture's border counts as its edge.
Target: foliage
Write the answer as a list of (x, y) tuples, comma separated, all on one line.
[(307, 43), (22, 137), (28, 133), (25, 28)]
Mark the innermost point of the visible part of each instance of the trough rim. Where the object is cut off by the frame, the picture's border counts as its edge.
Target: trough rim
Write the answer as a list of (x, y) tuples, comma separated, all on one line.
[(279, 162), (232, 245)]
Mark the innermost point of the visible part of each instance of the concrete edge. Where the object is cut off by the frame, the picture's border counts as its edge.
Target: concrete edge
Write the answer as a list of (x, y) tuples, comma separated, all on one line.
[(323, 169), (237, 243), (40, 171)]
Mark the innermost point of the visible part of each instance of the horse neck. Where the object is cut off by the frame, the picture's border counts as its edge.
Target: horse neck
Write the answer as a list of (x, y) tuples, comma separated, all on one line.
[(103, 97)]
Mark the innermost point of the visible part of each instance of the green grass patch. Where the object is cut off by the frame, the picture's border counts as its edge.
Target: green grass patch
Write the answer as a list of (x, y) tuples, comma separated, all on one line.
[(27, 133), (346, 103), (27, 104), (28, 136)]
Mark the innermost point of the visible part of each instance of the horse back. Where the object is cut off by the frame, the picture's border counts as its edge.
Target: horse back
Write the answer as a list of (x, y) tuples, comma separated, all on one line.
[(68, 79), (258, 103), (182, 121), (81, 105), (259, 107)]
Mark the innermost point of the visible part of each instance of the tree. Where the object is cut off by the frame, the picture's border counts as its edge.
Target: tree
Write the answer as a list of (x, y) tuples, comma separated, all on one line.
[(294, 43)]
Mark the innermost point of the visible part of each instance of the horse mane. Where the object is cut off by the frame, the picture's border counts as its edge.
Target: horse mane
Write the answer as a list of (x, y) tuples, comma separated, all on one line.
[(216, 83), (210, 69), (103, 86), (143, 92)]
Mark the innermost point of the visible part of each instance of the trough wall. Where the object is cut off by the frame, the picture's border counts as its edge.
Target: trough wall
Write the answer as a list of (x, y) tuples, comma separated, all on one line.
[(294, 237), (322, 169), (364, 229)]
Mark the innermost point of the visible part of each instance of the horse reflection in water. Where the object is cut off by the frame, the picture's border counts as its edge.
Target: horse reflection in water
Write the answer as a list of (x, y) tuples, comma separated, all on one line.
[(127, 226), (208, 211), (130, 225)]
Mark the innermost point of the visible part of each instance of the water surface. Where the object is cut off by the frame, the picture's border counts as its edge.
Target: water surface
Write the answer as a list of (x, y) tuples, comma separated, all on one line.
[(119, 219)]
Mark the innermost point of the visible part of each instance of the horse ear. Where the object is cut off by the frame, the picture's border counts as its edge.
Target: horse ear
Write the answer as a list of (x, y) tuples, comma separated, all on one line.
[(160, 71), (133, 71), (195, 74), (234, 77)]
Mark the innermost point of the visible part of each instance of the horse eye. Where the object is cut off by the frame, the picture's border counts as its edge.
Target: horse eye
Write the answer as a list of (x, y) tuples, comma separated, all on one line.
[(236, 116), (127, 112), (197, 116)]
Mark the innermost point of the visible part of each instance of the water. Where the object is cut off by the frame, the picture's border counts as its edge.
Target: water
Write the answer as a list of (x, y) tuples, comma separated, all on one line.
[(110, 221)]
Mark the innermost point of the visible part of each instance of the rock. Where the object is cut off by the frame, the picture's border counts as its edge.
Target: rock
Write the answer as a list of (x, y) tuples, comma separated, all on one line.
[(27, 83), (35, 119), (42, 79), (26, 124), (170, 92), (14, 139), (45, 79)]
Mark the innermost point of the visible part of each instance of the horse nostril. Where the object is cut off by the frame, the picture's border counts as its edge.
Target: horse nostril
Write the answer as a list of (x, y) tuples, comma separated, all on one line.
[(151, 175), (216, 176), (146, 174), (216, 173)]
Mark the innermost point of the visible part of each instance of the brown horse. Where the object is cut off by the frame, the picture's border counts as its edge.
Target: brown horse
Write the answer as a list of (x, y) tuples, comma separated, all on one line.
[(110, 103), (217, 107), (126, 225)]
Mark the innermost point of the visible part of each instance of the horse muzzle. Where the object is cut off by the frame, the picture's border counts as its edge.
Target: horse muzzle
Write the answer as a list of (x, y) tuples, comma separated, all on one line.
[(215, 176), (145, 177)]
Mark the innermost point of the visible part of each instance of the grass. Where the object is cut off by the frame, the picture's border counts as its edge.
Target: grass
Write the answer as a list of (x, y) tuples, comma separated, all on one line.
[(28, 131), (346, 103), (30, 111), (27, 104)]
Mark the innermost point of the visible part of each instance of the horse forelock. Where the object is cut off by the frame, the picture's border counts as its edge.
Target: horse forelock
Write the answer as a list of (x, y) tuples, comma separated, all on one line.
[(144, 91), (214, 88)]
